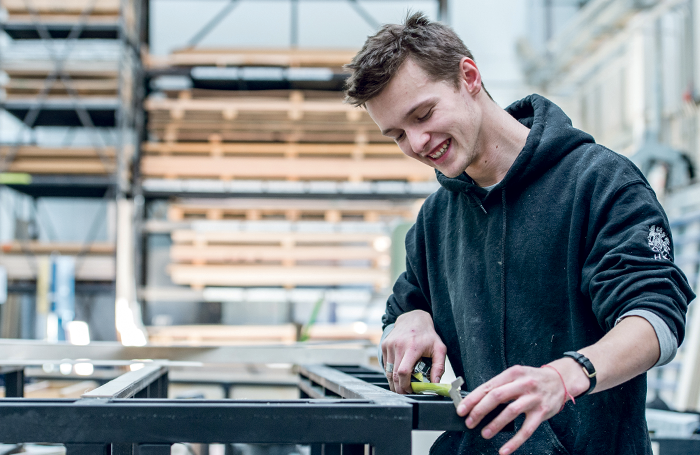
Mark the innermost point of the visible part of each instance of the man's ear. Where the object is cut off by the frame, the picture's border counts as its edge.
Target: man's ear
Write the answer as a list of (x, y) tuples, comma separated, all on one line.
[(470, 75)]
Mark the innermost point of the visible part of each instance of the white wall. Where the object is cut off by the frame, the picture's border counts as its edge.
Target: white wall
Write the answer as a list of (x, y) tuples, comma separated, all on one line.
[(490, 30)]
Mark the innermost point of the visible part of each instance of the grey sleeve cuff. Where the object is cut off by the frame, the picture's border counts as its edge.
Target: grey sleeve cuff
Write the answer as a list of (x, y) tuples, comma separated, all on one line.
[(385, 334), (667, 342)]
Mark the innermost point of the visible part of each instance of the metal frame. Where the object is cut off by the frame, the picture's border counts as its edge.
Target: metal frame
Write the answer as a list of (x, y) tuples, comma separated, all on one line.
[(30, 352), (342, 410), (126, 109), (129, 415)]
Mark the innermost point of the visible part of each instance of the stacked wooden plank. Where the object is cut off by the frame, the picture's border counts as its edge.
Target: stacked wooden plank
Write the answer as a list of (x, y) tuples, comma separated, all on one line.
[(290, 117), (279, 136), (86, 72), (92, 67), (274, 259), (294, 133), (63, 11), (222, 335), (292, 58), (98, 18), (22, 259), (292, 209), (283, 257), (32, 159), (66, 83), (270, 161)]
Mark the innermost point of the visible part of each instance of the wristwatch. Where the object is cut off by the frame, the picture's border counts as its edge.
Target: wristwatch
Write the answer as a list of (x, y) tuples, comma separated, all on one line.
[(587, 367)]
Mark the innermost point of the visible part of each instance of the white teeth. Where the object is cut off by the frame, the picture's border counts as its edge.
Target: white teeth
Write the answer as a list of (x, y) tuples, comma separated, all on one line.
[(440, 152)]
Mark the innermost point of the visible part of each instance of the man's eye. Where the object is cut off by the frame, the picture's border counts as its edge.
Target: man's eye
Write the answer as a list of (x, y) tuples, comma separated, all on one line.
[(399, 137), (426, 116)]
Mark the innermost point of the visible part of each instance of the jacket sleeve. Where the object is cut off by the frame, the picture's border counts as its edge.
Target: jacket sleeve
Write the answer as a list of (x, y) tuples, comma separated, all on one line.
[(411, 289), (629, 265)]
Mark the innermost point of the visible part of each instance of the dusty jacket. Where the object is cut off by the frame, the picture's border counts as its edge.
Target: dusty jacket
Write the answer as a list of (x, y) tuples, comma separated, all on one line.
[(571, 238)]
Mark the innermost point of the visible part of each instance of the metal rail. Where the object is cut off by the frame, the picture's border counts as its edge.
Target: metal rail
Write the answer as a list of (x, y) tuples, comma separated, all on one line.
[(130, 384), (29, 350), (430, 412)]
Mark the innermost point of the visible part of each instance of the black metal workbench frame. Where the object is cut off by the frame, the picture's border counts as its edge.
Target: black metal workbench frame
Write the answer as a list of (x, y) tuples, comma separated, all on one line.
[(342, 410), (338, 413)]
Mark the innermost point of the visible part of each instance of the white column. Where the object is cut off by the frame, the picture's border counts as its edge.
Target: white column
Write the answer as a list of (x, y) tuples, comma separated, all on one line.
[(130, 328)]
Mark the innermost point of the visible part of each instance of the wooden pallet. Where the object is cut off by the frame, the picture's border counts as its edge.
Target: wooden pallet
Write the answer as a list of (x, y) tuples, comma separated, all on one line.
[(215, 147), (85, 87), (282, 248), (200, 276), (63, 7), (221, 335), (292, 210), (253, 57), (293, 118), (209, 254), (254, 108), (75, 68), (226, 335), (200, 130), (339, 169), (276, 259), (101, 12), (60, 160), (35, 247), (271, 238)]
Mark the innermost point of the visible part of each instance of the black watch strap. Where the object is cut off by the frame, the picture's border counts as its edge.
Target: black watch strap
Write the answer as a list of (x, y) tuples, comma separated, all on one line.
[(587, 367)]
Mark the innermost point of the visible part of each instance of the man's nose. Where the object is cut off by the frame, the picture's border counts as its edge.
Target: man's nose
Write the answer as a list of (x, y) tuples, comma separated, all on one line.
[(418, 140)]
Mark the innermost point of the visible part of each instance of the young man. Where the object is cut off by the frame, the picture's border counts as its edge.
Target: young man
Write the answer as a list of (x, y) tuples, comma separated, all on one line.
[(540, 243)]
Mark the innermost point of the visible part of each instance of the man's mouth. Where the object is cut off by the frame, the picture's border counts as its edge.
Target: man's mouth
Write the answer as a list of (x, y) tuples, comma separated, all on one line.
[(442, 150)]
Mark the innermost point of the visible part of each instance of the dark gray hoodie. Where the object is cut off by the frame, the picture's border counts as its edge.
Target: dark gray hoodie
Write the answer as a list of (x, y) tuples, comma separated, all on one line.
[(572, 238)]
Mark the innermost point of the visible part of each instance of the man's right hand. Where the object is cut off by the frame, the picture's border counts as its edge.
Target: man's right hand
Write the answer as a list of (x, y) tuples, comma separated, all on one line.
[(413, 337)]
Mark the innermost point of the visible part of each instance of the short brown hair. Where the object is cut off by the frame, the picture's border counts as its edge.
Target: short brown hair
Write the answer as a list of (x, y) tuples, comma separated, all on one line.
[(435, 47)]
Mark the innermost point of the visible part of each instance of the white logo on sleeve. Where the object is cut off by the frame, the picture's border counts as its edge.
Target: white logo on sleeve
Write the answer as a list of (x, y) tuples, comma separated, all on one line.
[(659, 243)]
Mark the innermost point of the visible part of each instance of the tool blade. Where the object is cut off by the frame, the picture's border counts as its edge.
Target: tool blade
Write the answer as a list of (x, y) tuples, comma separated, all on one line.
[(455, 391)]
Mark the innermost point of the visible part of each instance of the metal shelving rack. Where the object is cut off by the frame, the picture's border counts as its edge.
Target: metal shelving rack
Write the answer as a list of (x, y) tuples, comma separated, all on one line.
[(72, 65)]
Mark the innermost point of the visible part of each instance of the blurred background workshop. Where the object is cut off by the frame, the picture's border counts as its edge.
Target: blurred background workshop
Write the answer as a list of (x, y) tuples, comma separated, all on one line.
[(188, 206)]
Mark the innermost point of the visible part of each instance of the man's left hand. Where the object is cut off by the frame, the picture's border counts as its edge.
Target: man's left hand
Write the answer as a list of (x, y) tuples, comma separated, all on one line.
[(536, 392), (629, 349)]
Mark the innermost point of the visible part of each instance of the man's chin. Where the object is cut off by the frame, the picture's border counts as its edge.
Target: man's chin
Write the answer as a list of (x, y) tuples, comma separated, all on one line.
[(449, 173)]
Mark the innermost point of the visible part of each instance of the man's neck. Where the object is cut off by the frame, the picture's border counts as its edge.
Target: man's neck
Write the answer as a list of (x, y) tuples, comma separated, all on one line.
[(501, 138)]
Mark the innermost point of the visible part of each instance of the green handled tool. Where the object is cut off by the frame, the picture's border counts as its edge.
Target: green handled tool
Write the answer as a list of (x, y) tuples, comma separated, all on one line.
[(422, 384), (452, 390)]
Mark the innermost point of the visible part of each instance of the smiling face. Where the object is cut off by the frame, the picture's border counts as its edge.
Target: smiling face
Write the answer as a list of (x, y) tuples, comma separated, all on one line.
[(433, 122)]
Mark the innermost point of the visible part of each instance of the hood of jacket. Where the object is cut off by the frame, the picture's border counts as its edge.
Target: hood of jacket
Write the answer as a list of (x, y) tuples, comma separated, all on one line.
[(551, 138)]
